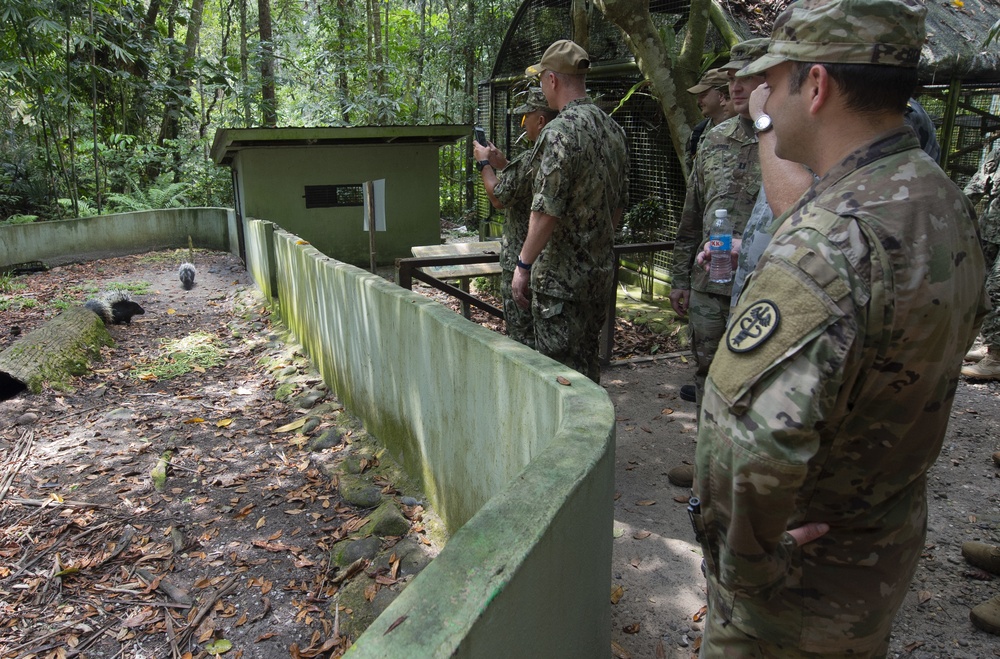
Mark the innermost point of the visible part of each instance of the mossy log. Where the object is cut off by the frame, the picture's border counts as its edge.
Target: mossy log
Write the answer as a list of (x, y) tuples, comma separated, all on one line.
[(61, 348)]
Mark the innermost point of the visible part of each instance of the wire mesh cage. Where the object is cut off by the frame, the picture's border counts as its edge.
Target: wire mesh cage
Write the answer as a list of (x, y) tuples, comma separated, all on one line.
[(654, 169), (965, 116)]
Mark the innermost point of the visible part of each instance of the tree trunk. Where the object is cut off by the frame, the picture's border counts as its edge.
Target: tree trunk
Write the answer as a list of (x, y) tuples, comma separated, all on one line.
[(581, 22), (342, 36), (269, 109), (244, 67), (654, 59), (53, 353)]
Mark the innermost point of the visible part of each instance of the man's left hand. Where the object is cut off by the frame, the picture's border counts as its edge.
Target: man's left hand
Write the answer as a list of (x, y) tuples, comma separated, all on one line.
[(521, 287)]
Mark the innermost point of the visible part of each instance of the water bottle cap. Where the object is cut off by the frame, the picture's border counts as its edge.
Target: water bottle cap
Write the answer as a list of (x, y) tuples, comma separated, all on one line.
[(720, 212)]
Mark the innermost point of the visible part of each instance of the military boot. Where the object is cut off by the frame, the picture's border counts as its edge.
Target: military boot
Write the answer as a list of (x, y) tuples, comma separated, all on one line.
[(976, 354), (986, 616), (986, 369), (984, 556)]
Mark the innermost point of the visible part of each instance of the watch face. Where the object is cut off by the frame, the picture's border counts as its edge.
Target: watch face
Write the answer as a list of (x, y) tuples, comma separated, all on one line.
[(763, 123)]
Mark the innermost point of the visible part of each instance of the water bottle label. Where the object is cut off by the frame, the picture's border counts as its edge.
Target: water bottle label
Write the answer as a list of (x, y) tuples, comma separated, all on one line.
[(720, 243)]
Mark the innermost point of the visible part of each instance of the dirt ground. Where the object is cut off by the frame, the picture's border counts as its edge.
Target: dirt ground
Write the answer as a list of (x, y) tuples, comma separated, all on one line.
[(96, 562)]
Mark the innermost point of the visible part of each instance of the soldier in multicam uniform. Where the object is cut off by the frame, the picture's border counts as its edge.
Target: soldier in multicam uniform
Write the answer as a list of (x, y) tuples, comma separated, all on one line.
[(712, 91), (565, 268), (726, 174), (829, 396), (985, 186), (508, 186)]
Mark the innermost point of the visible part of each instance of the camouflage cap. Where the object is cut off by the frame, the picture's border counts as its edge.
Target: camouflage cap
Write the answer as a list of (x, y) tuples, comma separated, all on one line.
[(712, 78), (745, 52), (535, 100), (886, 32), (563, 56)]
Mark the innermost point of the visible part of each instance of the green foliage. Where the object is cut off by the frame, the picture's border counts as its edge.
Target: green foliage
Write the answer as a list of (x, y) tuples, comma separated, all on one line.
[(639, 225), (164, 193), (19, 219), (489, 285), (992, 35), (641, 222)]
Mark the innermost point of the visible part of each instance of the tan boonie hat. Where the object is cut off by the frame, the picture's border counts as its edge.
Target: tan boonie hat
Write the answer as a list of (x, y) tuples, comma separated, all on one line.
[(534, 101), (563, 56), (745, 52), (886, 32), (712, 78)]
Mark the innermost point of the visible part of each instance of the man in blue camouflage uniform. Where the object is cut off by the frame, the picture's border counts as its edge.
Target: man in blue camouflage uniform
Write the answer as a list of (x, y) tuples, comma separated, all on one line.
[(508, 186), (830, 394), (726, 174), (566, 265), (984, 187)]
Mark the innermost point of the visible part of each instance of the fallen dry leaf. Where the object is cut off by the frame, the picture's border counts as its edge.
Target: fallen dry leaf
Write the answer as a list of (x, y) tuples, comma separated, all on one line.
[(631, 629), (640, 535), (616, 594), (563, 381), (646, 502)]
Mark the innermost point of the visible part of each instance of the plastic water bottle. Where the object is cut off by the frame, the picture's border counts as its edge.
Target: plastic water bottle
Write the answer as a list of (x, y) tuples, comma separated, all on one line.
[(720, 243)]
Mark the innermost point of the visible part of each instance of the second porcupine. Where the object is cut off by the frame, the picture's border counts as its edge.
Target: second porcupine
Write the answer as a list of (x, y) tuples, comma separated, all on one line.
[(187, 273)]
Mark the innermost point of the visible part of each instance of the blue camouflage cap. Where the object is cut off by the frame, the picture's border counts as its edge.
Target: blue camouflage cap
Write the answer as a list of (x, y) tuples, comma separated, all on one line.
[(886, 32)]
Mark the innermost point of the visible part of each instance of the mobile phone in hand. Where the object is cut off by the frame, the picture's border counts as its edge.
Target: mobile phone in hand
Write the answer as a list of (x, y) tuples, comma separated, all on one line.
[(480, 136)]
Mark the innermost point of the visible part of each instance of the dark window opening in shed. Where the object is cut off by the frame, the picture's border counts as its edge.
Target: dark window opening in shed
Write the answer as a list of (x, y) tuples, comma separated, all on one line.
[(331, 196)]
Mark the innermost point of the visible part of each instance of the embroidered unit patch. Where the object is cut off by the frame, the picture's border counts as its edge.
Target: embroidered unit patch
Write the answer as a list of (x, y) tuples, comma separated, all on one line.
[(754, 326)]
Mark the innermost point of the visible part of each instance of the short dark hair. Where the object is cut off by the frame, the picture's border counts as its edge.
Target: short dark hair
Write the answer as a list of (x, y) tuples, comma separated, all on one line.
[(549, 114), (868, 87)]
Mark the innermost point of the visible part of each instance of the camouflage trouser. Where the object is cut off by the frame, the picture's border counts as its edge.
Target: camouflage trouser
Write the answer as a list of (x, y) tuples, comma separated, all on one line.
[(518, 320), (991, 323), (722, 640), (707, 317), (569, 331)]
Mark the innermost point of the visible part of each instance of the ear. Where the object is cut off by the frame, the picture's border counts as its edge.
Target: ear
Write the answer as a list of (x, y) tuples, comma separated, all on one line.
[(818, 88)]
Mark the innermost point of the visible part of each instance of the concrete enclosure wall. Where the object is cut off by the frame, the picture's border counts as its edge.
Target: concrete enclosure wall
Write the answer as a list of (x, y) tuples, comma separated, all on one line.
[(519, 466), (85, 239)]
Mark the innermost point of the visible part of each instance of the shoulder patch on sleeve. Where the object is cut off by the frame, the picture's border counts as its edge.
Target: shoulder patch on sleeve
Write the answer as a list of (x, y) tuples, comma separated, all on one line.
[(783, 310), (753, 327)]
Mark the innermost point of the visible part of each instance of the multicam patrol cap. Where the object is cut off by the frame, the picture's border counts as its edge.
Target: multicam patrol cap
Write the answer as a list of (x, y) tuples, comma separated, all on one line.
[(745, 52), (563, 56), (712, 78), (534, 101), (887, 32)]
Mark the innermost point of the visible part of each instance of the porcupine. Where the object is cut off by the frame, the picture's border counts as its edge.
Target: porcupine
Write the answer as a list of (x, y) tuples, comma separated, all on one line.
[(115, 307), (187, 272)]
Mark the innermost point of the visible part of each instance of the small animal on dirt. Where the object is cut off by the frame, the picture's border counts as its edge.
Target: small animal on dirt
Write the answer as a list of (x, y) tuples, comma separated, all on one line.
[(115, 307), (187, 273)]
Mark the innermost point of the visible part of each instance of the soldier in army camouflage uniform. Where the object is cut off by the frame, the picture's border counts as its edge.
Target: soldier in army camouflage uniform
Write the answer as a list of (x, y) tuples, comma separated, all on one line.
[(985, 186), (829, 396), (508, 186), (566, 265), (726, 174)]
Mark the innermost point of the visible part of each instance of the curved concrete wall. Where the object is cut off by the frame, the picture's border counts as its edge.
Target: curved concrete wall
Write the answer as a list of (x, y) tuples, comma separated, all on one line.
[(519, 466), (89, 238)]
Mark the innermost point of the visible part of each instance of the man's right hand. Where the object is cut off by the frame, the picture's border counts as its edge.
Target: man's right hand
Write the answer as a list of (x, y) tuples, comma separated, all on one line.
[(679, 298)]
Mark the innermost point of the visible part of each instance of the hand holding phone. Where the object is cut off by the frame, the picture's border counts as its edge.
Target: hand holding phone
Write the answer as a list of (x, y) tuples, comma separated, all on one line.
[(480, 136)]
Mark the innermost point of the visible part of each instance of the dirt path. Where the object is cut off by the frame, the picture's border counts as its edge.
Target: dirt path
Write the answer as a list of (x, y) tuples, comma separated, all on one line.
[(657, 563)]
